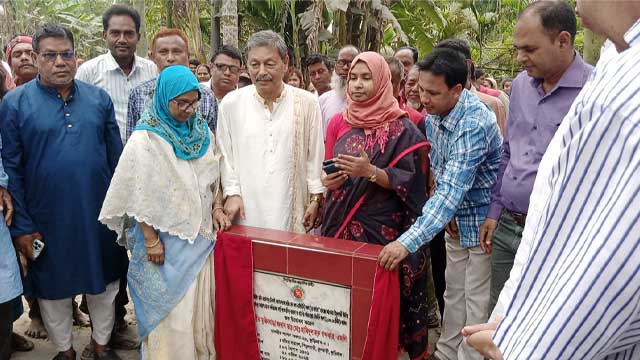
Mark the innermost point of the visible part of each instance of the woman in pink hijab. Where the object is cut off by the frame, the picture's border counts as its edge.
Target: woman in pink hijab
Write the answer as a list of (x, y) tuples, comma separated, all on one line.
[(378, 188)]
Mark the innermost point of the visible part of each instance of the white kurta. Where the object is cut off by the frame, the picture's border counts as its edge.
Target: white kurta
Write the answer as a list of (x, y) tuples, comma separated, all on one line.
[(272, 159)]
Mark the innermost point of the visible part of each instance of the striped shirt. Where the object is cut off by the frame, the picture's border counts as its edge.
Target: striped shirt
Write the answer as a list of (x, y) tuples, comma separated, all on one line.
[(104, 72), (578, 294), (466, 147), (141, 97)]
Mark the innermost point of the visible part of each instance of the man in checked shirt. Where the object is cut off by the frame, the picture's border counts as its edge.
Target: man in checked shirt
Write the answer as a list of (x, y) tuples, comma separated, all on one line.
[(465, 155)]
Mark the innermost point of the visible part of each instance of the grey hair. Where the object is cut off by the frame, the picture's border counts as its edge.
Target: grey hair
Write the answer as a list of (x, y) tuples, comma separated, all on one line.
[(267, 38), (350, 48)]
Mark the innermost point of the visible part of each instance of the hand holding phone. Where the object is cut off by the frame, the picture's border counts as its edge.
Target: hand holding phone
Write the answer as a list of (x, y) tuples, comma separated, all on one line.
[(330, 167)]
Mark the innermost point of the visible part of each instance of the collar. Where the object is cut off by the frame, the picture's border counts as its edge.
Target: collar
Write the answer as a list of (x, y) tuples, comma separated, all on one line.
[(449, 122), (574, 76), (53, 91), (112, 64), (283, 94), (632, 36)]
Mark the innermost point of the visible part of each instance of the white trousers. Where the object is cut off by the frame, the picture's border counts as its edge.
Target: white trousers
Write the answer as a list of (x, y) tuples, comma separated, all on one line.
[(466, 299), (187, 333), (57, 316)]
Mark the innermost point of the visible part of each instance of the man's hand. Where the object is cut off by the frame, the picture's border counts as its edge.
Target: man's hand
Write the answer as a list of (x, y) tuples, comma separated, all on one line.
[(6, 205), (24, 244), (312, 217), (487, 229), (233, 207), (334, 180), (480, 337), (452, 229), (356, 166), (392, 255)]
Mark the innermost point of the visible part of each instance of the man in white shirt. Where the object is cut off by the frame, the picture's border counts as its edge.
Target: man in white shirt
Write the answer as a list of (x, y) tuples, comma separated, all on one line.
[(335, 101), (119, 70), (270, 136), (573, 290)]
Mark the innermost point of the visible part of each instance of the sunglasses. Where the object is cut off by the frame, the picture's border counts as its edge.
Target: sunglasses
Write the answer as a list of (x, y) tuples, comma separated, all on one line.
[(51, 56)]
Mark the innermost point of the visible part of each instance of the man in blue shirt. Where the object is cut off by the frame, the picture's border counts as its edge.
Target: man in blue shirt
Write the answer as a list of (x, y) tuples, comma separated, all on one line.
[(61, 144), (465, 155)]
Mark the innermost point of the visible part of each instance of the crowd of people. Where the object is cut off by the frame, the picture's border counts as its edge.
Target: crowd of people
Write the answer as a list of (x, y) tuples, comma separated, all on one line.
[(508, 213)]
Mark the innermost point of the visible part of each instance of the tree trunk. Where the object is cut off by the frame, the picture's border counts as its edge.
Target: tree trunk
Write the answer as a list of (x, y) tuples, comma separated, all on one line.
[(143, 46), (313, 44), (186, 16), (592, 45), (364, 27), (168, 4), (229, 22), (216, 39), (296, 34)]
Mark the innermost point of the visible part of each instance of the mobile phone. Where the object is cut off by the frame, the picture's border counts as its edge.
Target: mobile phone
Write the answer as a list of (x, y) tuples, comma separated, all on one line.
[(37, 247), (329, 167)]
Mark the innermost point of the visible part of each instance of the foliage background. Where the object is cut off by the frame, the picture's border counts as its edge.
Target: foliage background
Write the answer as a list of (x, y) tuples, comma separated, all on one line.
[(307, 25)]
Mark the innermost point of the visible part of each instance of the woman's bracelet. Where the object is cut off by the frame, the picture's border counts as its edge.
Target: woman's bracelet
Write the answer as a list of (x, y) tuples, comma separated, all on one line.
[(155, 243), (374, 176)]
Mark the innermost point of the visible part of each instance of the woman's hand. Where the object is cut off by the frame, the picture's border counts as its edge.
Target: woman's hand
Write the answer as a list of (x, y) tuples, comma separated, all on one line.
[(221, 221), (356, 166), (334, 180), (155, 250)]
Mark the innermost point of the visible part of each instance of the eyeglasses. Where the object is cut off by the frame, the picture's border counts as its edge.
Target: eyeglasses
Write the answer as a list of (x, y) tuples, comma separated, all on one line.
[(343, 63), (185, 105), (223, 68), (52, 56)]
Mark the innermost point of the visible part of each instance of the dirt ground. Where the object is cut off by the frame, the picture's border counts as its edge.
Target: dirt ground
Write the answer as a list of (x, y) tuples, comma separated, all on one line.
[(44, 349)]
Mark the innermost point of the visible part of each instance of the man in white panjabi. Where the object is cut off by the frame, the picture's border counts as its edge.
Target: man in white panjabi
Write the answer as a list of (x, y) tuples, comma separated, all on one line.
[(270, 137)]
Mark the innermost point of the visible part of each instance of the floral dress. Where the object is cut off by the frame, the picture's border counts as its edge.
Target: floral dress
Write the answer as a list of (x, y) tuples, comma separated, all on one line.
[(386, 214)]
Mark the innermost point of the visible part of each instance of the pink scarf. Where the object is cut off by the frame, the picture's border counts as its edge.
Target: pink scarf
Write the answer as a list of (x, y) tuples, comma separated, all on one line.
[(374, 114)]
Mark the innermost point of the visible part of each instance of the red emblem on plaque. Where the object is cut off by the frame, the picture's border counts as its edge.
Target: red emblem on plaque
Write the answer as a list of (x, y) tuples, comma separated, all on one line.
[(298, 293)]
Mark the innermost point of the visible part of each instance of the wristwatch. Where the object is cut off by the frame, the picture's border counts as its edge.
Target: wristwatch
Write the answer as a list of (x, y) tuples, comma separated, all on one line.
[(374, 176), (316, 197)]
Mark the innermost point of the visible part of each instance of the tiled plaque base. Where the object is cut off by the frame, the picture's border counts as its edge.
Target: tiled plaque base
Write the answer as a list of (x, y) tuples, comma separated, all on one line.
[(349, 263)]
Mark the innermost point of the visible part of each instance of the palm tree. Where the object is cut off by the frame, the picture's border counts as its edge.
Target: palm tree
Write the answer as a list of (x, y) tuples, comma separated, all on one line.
[(229, 22)]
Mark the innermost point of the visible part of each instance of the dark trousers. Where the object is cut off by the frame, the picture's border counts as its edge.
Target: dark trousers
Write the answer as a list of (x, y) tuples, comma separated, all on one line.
[(438, 265), (506, 240), (121, 300), (7, 315)]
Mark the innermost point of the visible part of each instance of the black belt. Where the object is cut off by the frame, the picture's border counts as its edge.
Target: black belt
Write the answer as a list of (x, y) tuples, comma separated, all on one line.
[(520, 218)]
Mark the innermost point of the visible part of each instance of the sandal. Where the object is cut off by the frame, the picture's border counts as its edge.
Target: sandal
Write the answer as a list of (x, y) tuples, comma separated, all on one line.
[(123, 342), (108, 354), (20, 343), (62, 356)]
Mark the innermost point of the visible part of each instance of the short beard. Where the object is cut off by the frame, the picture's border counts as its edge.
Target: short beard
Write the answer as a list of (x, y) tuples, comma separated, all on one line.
[(414, 105), (339, 85)]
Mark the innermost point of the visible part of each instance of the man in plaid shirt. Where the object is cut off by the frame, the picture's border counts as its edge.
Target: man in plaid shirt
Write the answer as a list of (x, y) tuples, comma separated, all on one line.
[(465, 156), (169, 47)]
